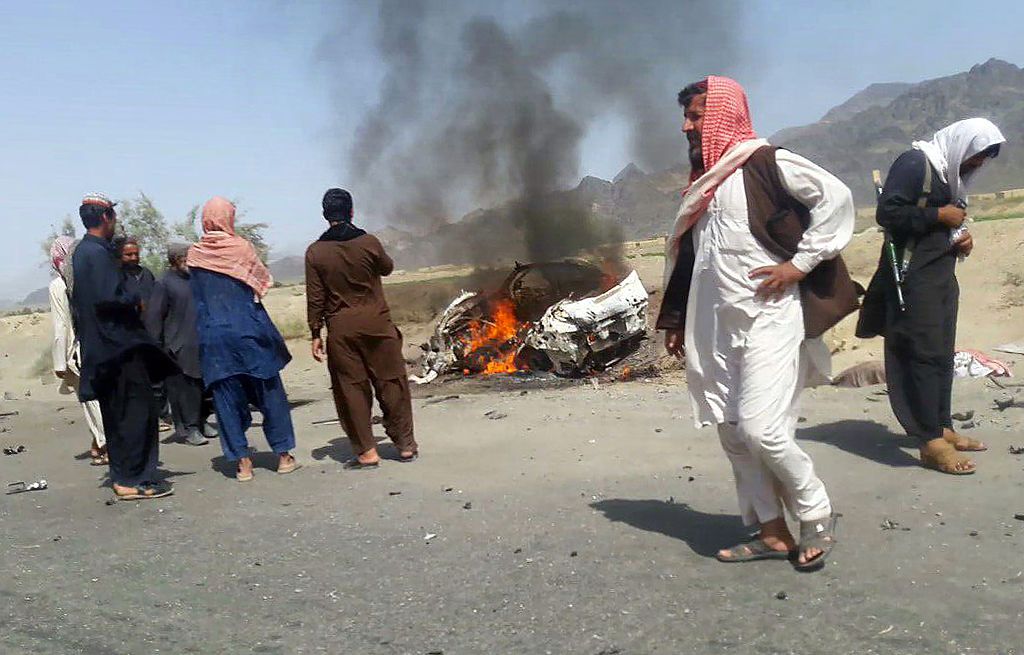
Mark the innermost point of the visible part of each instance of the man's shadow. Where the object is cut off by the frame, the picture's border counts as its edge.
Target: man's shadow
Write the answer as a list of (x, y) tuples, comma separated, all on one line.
[(704, 533), (160, 475), (260, 460), (340, 450), (866, 439)]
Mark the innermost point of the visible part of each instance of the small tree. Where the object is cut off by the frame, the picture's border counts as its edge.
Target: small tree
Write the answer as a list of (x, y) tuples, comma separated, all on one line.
[(141, 219), (186, 228)]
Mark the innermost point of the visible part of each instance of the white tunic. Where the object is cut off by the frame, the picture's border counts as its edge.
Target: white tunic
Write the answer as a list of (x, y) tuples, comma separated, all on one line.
[(723, 316)]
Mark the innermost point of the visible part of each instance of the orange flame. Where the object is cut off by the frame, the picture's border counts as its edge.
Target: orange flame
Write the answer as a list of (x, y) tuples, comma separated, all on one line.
[(490, 336)]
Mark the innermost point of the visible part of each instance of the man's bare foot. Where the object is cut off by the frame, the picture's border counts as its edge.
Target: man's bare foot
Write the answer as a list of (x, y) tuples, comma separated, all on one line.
[(940, 455), (369, 457), (774, 534), (143, 490), (244, 473), (286, 463)]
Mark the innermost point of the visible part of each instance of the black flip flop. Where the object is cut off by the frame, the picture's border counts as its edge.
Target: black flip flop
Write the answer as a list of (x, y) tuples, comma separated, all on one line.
[(148, 491), (752, 551), (355, 465), (412, 458), (820, 535)]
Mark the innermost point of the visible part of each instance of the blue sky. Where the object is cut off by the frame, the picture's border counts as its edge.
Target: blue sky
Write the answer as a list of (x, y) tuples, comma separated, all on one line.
[(185, 100)]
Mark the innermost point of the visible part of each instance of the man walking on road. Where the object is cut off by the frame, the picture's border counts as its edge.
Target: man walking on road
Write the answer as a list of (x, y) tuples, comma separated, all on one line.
[(753, 277)]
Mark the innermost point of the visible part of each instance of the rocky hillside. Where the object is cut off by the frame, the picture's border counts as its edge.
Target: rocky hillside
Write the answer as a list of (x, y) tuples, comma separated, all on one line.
[(871, 129)]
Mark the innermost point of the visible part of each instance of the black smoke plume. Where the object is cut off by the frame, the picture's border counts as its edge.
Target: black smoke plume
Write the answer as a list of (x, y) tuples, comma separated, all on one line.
[(490, 112)]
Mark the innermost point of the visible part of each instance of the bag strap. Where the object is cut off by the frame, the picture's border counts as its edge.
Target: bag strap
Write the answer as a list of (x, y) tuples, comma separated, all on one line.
[(926, 188)]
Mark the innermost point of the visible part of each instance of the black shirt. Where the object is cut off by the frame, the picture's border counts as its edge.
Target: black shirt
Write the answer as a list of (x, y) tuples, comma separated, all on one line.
[(139, 282), (106, 317), (170, 317)]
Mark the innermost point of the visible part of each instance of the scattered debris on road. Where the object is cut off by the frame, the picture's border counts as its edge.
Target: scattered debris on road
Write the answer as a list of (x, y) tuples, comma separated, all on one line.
[(17, 450), (21, 487), (889, 524)]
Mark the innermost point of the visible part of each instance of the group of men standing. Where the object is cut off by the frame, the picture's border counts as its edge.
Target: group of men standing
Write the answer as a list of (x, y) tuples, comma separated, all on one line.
[(202, 330), (753, 279)]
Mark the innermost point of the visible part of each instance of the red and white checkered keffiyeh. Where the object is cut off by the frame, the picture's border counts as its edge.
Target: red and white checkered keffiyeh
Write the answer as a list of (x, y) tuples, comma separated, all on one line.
[(727, 140), (726, 120)]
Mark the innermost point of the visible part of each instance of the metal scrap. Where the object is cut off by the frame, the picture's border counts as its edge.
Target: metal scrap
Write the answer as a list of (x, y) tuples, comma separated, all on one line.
[(22, 487), (564, 329), (577, 336)]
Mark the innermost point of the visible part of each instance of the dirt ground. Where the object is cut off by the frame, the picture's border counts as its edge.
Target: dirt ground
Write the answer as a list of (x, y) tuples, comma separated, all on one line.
[(576, 518)]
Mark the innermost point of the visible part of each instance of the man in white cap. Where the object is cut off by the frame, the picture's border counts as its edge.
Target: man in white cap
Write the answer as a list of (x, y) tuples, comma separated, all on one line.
[(120, 361)]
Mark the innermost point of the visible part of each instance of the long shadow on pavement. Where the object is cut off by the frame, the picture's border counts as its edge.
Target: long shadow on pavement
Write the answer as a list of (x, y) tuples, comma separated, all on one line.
[(340, 450), (161, 474), (704, 533), (866, 439)]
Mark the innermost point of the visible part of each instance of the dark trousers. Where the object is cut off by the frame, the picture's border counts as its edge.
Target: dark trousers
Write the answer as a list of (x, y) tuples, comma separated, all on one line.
[(361, 366), (232, 397), (919, 349), (130, 420), (186, 397)]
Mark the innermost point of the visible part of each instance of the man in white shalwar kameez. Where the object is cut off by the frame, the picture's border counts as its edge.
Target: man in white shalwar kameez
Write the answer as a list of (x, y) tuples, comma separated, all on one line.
[(734, 306), (65, 347)]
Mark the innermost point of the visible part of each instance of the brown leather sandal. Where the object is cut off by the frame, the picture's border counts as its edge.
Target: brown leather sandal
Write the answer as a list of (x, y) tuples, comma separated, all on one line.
[(962, 443), (946, 460)]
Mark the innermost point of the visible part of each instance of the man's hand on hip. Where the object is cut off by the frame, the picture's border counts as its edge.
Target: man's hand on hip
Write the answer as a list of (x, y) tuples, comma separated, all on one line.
[(674, 343), (777, 279)]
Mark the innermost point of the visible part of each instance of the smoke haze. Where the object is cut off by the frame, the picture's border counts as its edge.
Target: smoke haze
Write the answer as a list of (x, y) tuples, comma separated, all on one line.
[(478, 110)]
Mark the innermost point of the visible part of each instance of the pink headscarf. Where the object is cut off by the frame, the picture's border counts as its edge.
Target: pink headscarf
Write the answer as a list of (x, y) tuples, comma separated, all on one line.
[(60, 250), (222, 251)]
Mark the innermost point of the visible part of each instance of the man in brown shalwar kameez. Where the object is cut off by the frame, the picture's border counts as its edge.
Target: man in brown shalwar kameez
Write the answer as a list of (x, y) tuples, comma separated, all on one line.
[(364, 348)]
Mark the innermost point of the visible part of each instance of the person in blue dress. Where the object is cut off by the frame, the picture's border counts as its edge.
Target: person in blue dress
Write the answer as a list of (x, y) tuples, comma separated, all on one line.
[(240, 350)]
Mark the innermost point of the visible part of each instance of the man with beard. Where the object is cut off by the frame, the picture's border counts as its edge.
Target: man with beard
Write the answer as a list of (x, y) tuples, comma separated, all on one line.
[(921, 208), (138, 280), (170, 317), (120, 361), (364, 348), (753, 277)]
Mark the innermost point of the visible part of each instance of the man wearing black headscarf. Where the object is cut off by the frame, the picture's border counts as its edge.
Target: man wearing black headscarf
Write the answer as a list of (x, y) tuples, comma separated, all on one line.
[(344, 292)]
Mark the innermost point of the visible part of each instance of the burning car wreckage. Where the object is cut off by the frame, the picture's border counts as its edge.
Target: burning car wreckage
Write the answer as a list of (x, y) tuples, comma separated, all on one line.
[(565, 318)]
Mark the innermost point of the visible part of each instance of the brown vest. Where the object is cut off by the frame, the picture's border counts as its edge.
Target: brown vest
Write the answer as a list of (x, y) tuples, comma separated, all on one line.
[(777, 221)]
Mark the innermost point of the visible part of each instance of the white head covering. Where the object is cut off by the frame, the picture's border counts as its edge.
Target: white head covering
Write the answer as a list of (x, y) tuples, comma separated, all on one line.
[(953, 145)]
